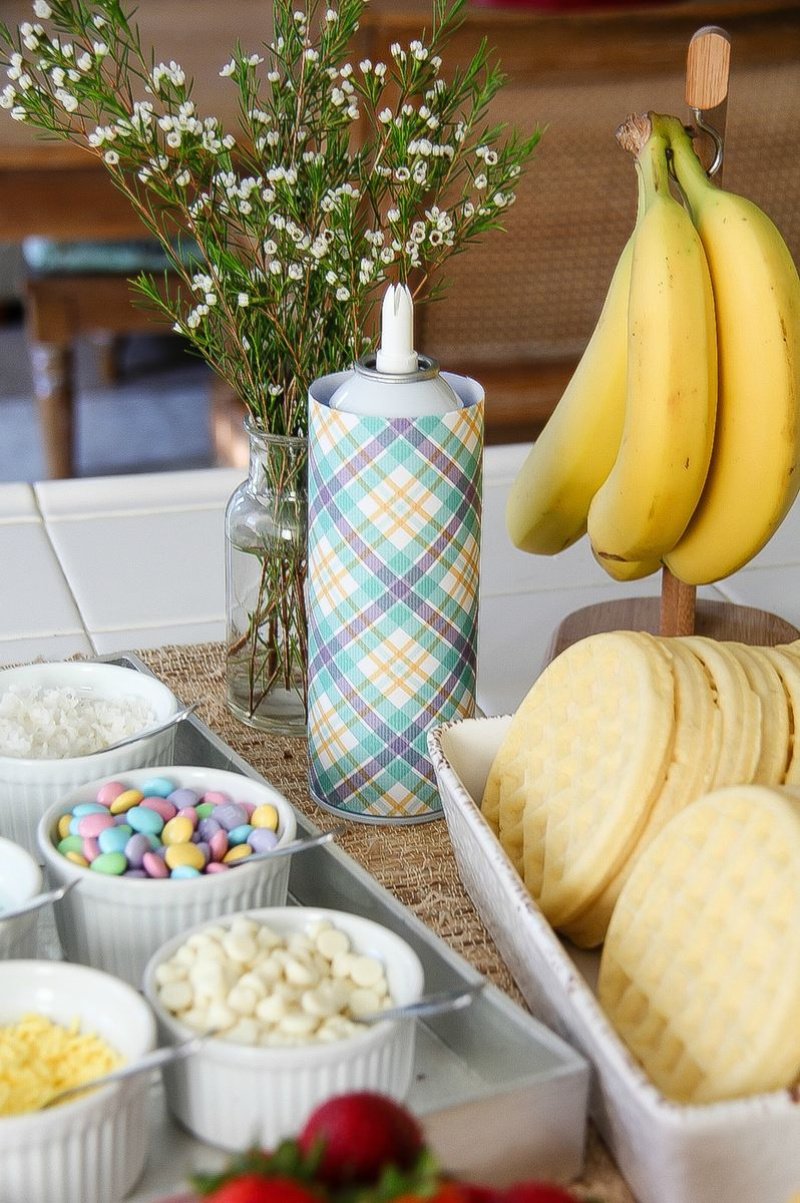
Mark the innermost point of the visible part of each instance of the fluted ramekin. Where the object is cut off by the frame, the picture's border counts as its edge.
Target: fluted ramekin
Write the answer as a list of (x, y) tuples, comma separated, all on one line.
[(29, 786), (117, 923), (92, 1149), (235, 1096)]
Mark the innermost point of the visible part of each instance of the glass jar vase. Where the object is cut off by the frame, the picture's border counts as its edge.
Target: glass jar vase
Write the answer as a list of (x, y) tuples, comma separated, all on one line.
[(265, 532)]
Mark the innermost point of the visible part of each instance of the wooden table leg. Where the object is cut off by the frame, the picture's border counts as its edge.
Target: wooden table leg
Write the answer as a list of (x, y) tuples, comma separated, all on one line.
[(52, 388)]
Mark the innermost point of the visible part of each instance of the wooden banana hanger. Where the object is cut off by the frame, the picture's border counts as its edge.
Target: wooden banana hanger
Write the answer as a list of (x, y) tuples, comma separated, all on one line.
[(678, 611)]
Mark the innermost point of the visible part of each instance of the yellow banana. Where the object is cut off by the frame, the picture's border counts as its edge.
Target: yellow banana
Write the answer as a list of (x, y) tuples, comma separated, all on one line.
[(754, 474), (627, 570), (645, 503), (549, 500)]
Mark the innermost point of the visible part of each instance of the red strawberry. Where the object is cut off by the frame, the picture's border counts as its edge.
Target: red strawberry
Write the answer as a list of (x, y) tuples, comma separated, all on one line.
[(447, 1192), (359, 1134), (253, 1188), (538, 1192)]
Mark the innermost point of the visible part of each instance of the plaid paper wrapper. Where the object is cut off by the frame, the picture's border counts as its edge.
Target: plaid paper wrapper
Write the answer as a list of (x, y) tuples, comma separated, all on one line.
[(393, 575)]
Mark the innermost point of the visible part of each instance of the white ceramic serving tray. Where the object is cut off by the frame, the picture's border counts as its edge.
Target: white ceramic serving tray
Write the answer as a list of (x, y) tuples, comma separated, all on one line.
[(745, 1151), (501, 1096)]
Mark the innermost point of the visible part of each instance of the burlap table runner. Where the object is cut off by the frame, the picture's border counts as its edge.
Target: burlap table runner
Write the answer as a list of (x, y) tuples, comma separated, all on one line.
[(414, 863)]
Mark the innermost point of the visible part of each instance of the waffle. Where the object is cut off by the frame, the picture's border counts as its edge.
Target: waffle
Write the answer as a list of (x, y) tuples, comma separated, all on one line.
[(700, 971), (581, 765), (765, 680), (788, 668), (692, 766), (740, 711)]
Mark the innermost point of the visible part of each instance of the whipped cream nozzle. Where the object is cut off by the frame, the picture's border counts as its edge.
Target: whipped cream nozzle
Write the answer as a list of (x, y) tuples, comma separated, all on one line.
[(396, 353)]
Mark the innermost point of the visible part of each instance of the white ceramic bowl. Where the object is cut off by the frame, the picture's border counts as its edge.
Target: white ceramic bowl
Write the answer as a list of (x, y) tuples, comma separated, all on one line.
[(117, 923), (92, 1149), (29, 786), (20, 879), (235, 1096)]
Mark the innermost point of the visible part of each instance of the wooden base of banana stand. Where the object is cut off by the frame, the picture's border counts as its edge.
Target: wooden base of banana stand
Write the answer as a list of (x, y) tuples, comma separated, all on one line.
[(678, 611)]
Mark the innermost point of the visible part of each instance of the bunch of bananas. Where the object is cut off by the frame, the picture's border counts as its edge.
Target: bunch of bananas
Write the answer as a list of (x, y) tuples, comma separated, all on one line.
[(677, 440)]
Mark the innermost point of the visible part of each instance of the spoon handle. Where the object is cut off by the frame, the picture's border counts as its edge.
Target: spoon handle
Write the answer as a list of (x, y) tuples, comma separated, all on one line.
[(177, 717), (40, 900), (301, 845), (430, 1004), (150, 1061)]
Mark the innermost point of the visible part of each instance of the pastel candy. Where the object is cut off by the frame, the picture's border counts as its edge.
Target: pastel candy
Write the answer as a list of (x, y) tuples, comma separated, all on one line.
[(218, 845), (204, 809), (261, 839), (141, 818), (77, 859), (185, 854), (161, 806), (183, 797), (207, 827), (90, 826), (178, 830), (216, 797), (125, 800), (238, 852), (109, 792), (89, 808), (238, 835), (217, 867), (111, 863), (114, 839), (185, 871), (70, 843), (91, 850), (134, 873), (137, 847), (230, 815), (154, 866), (159, 787), (189, 812), (265, 816), (63, 826)]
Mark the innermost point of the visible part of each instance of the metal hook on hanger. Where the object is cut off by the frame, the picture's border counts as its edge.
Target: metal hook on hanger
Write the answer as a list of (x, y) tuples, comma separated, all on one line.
[(716, 137)]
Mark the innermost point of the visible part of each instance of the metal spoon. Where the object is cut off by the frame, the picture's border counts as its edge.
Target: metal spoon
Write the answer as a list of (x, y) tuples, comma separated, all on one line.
[(300, 845), (177, 717), (429, 1004), (150, 1061), (33, 904)]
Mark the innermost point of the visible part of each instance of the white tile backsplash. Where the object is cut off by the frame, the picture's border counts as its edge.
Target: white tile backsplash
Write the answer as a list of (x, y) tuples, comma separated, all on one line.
[(35, 599), (152, 492)]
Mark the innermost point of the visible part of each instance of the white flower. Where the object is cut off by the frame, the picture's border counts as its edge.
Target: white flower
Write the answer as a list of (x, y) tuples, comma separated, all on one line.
[(402, 174), (228, 69), (393, 215), (300, 17), (7, 97), (331, 278), (331, 15), (98, 21), (396, 50), (84, 62), (242, 300), (275, 267), (182, 178), (365, 65), (111, 157), (18, 113), (270, 247), (100, 49), (353, 113), (480, 181), (254, 60), (68, 102), (468, 209), (337, 96), (42, 9), (490, 158), (211, 298), (342, 294), (295, 271), (380, 70), (273, 76), (229, 141), (387, 255), (385, 116), (311, 55), (274, 390), (58, 76), (420, 172), (419, 51), (25, 82), (435, 237), (174, 138), (500, 200)]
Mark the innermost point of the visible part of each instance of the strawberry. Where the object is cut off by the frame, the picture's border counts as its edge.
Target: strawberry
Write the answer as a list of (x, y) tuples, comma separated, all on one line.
[(445, 1192), (358, 1135), (253, 1188)]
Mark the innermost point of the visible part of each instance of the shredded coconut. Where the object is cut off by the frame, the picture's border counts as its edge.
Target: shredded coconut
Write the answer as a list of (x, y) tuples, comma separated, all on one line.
[(52, 724)]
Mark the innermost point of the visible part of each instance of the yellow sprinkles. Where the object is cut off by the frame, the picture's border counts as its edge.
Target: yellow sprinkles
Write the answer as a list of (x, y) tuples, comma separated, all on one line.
[(39, 1057)]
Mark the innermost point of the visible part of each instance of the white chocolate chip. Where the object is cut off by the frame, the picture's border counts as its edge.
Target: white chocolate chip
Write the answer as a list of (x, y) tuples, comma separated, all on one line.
[(332, 943), (176, 996), (362, 1002), (366, 971), (240, 947)]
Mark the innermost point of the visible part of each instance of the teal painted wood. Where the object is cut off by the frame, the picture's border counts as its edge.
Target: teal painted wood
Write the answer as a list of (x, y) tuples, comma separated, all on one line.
[(393, 577)]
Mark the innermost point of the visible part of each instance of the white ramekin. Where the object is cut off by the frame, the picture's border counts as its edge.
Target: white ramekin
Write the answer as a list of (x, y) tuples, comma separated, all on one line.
[(235, 1097), (117, 923), (20, 879), (29, 786), (92, 1149)]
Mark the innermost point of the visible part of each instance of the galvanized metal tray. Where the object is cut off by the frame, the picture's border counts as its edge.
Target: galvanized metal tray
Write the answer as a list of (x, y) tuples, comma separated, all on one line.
[(501, 1096)]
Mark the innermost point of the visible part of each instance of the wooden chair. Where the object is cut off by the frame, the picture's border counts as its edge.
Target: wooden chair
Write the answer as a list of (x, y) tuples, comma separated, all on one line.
[(75, 289)]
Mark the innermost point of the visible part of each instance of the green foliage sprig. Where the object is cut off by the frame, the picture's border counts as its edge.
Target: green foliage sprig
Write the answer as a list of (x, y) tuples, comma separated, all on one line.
[(339, 178)]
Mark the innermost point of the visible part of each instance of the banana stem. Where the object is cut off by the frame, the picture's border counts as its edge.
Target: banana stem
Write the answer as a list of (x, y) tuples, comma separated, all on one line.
[(689, 172)]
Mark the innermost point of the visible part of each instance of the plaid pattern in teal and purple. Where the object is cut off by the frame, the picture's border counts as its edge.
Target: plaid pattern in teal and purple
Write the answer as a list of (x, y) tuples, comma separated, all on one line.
[(393, 571)]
